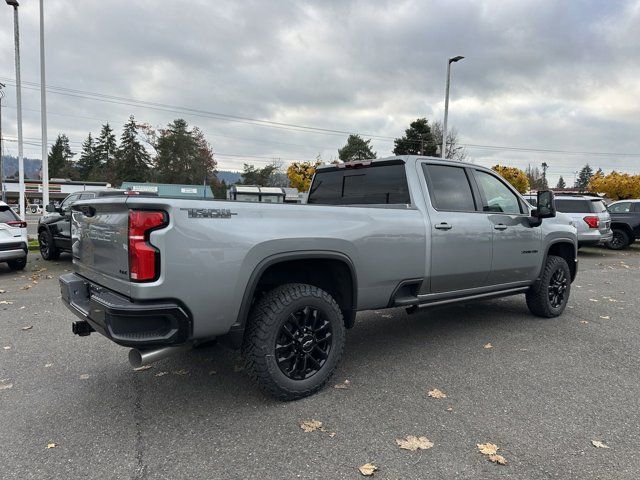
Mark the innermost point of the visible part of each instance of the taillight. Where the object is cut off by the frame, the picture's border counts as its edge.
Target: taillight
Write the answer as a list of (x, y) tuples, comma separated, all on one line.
[(144, 258), (17, 223), (592, 221)]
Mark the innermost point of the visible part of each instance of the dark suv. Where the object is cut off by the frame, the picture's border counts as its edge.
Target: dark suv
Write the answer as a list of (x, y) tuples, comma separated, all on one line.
[(625, 223), (54, 227)]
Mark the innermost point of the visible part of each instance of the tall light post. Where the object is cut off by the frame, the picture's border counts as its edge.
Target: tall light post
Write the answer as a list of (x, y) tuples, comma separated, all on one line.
[(3, 195), (16, 32), (443, 153), (43, 115)]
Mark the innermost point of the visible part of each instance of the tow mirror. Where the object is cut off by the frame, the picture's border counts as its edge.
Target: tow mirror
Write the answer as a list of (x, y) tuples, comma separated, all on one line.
[(546, 207)]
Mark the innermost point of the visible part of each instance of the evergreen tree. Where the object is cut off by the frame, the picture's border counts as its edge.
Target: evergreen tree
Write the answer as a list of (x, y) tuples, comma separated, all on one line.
[(262, 177), (132, 160), (584, 176), (356, 148), (88, 164), (60, 158), (106, 150), (418, 140), (561, 183), (183, 155)]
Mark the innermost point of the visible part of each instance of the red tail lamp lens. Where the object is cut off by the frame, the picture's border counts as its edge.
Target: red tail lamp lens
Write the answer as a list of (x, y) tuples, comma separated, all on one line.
[(144, 258)]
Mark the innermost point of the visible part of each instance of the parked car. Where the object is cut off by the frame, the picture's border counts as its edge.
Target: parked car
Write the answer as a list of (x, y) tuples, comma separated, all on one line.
[(283, 281), (54, 227), (13, 238), (590, 217), (625, 223)]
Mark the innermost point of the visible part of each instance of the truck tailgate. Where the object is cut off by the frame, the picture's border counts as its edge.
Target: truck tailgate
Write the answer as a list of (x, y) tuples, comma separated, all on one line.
[(99, 236)]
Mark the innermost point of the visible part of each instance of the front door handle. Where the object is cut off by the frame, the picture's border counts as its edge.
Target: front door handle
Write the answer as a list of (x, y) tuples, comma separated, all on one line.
[(443, 226), (500, 226)]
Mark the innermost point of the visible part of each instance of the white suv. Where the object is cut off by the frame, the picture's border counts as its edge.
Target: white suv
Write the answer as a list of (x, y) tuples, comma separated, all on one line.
[(13, 238)]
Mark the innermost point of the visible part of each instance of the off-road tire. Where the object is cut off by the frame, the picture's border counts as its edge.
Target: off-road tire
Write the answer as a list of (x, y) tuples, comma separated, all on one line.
[(620, 240), (48, 250), (538, 295), (266, 319), (19, 264)]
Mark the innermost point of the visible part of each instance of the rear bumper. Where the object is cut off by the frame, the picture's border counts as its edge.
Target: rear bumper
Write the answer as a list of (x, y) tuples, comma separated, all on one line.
[(126, 322), (594, 238), (13, 251)]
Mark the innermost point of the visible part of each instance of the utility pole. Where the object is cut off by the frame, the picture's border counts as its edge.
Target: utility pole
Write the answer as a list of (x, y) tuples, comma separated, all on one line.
[(16, 32), (43, 115), (443, 153), (3, 195)]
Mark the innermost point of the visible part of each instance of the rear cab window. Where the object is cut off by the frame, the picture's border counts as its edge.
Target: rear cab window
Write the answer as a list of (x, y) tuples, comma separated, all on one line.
[(372, 183)]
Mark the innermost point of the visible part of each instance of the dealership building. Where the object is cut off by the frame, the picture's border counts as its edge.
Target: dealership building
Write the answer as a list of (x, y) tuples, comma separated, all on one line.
[(58, 189)]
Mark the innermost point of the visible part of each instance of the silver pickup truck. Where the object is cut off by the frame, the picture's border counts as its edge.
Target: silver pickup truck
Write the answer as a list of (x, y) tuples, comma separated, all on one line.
[(284, 282)]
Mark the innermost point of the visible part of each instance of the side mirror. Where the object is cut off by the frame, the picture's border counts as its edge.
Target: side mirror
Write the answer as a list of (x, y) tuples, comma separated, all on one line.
[(50, 208), (546, 207)]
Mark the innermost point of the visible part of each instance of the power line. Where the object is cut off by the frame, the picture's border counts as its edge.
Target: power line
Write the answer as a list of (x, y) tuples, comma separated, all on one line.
[(282, 125)]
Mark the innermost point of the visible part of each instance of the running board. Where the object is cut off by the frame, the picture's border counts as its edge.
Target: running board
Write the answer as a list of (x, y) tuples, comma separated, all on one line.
[(478, 296)]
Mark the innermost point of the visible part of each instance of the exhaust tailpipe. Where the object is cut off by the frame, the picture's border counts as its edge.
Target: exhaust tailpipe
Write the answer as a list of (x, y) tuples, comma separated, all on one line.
[(140, 358)]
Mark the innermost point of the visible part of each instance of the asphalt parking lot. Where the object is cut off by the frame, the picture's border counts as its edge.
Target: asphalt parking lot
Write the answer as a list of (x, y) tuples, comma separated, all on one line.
[(542, 393)]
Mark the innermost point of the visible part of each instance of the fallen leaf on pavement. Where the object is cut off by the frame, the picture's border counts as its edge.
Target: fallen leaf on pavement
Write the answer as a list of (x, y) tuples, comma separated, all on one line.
[(143, 367), (2, 291), (583, 321), (180, 372), (27, 327), (5, 302), (598, 444), (52, 445), (487, 448), (47, 365), (435, 393), (449, 408), (488, 345), (343, 385), (310, 425), (160, 374), (8, 347), (605, 317), (499, 459), (5, 386), (367, 469), (593, 300), (414, 443), (84, 376), (25, 287)]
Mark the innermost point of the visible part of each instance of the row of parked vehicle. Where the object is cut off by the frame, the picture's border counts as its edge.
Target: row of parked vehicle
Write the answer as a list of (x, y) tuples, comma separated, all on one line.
[(615, 226)]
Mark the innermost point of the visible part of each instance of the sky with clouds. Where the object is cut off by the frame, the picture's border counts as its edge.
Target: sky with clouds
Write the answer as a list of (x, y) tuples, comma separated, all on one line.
[(538, 75)]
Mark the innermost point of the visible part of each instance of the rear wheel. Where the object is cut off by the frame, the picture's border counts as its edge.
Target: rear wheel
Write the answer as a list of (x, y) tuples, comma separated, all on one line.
[(294, 340), (620, 240), (17, 264), (48, 250), (549, 295)]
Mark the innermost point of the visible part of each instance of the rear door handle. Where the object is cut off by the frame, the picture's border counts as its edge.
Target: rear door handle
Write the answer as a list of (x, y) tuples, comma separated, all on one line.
[(500, 226), (443, 226)]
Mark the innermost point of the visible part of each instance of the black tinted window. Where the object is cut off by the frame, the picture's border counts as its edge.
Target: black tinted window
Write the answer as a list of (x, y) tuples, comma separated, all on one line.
[(573, 206), (376, 184), (7, 215), (449, 188)]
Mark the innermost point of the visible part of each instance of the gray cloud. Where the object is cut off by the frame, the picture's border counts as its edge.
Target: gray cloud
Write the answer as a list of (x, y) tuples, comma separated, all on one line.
[(549, 75)]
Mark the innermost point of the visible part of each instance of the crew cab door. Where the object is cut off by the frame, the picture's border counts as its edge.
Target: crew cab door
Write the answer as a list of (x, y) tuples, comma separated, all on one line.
[(516, 252), (461, 235)]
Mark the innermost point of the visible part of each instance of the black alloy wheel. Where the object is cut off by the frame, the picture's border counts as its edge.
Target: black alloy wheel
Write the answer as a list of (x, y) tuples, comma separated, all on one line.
[(619, 241), (303, 343), (557, 288)]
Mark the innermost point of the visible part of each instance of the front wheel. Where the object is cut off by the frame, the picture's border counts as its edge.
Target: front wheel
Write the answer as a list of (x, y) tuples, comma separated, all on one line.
[(48, 250), (619, 241), (294, 340), (549, 295)]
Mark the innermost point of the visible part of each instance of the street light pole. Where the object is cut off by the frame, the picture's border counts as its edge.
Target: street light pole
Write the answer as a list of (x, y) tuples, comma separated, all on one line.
[(3, 195), (43, 115), (443, 153), (16, 32)]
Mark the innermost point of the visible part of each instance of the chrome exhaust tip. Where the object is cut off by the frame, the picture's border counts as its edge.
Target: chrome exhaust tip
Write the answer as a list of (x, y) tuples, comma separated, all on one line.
[(140, 358)]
